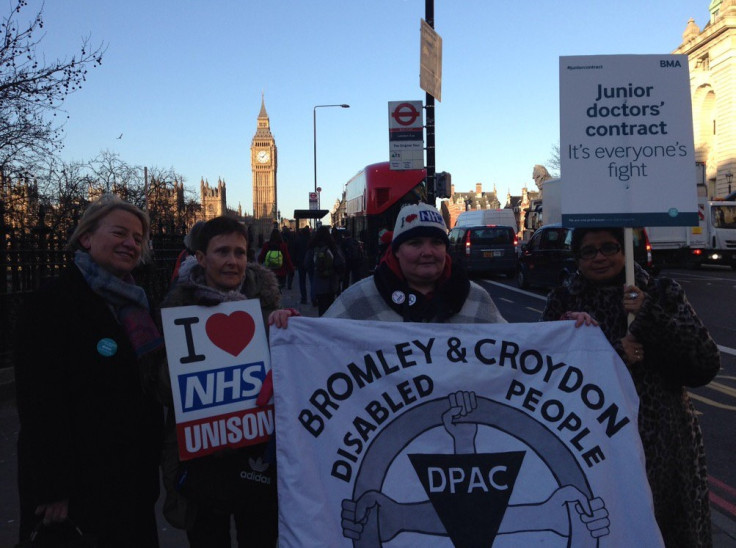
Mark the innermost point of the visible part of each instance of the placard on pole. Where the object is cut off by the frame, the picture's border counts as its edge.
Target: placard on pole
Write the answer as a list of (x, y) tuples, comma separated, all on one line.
[(626, 142)]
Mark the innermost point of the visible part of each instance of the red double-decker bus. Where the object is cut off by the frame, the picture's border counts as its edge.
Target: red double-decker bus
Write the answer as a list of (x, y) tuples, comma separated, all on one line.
[(373, 199)]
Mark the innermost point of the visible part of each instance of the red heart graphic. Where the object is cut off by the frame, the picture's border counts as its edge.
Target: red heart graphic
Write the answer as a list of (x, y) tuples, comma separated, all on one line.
[(231, 333)]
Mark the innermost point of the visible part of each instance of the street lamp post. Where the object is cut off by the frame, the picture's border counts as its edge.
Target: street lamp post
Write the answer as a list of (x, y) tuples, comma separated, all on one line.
[(314, 128)]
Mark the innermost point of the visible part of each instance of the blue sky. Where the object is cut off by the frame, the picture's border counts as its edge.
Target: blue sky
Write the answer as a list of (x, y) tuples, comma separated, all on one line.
[(182, 81)]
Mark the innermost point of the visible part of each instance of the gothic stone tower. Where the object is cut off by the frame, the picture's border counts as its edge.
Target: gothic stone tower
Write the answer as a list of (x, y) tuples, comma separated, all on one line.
[(214, 200), (263, 163)]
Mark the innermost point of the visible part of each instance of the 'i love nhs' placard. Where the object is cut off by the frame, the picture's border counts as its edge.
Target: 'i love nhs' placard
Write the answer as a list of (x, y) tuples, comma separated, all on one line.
[(218, 359)]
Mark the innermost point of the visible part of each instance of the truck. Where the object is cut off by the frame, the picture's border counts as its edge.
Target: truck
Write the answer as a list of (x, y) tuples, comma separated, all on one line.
[(549, 212), (679, 245), (712, 241), (478, 217), (719, 228)]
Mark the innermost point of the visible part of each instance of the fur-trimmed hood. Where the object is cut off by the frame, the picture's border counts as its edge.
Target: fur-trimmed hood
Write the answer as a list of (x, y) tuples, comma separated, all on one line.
[(259, 283)]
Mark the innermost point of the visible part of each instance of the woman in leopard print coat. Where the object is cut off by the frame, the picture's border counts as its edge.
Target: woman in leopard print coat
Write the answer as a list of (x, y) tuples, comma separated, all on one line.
[(665, 348)]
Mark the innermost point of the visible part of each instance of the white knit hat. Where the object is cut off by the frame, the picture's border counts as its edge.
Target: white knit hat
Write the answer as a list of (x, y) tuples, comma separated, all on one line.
[(418, 220)]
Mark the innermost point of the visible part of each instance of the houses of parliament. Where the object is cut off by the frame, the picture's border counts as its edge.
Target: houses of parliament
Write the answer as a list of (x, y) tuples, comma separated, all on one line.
[(22, 199)]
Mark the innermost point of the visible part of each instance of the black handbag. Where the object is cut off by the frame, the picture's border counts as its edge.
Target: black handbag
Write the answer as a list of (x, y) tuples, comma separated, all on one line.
[(58, 535)]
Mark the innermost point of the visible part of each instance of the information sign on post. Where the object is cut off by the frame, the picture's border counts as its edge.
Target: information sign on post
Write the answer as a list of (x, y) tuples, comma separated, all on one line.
[(626, 141), (313, 200), (406, 134), (430, 61)]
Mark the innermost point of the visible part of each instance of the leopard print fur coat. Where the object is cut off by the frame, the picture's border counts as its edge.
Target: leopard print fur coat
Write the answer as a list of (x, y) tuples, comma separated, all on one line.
[(678, 352)]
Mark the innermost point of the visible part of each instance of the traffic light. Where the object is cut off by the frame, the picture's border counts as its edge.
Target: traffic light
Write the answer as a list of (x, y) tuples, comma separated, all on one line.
[(443, 184)]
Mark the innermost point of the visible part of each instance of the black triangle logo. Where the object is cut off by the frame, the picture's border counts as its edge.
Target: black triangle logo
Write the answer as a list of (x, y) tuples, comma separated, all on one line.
[(470, 493)]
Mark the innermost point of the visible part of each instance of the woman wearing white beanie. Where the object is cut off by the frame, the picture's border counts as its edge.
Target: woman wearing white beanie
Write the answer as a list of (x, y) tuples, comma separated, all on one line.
[(415, 280)]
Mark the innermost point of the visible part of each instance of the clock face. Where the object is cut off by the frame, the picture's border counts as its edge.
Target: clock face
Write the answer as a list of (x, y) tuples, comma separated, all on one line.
[(263, 156)]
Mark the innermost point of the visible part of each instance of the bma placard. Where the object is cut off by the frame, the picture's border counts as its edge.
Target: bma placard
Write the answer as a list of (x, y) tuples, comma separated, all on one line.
[(626, 141)]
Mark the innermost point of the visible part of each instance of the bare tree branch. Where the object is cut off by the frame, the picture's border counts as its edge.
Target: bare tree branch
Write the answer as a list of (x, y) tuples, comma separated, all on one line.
[(31, 89), (554, 160)]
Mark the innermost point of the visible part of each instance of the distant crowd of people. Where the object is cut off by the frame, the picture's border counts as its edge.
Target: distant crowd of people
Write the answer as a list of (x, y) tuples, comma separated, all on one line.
[(94, 395), (326, 261)]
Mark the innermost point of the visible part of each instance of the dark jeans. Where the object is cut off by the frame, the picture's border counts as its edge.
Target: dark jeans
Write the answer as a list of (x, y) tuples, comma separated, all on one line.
[(324, 301), (312, 296), (256, 526), (303, 284), (356, 274), (351, 276)]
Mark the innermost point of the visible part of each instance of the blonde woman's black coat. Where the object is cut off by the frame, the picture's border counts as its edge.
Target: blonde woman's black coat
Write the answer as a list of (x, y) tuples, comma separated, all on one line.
[(89, 430)]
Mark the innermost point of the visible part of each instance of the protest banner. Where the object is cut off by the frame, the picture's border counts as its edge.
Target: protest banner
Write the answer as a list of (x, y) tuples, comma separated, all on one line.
[(626, 141), (467, 435), (218, 358)]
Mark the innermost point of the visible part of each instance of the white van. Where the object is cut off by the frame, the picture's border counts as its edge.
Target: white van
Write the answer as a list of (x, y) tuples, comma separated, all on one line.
[(479, 217)]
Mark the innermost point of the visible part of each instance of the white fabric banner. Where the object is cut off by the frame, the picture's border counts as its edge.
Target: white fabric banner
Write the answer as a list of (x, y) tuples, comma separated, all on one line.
[(467, 435)]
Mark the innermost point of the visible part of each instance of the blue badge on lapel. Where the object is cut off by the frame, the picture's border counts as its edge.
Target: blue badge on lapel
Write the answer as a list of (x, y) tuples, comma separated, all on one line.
[(107, 347)]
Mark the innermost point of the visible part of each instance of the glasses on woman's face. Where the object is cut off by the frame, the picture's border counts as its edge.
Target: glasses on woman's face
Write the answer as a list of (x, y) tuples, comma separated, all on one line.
[(589, 251)]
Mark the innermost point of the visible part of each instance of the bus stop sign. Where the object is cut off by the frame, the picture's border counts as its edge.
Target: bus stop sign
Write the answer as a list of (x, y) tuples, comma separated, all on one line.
[(406, 134)]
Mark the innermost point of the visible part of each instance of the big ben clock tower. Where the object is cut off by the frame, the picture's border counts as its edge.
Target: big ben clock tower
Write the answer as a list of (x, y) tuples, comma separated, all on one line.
[(263, 163)]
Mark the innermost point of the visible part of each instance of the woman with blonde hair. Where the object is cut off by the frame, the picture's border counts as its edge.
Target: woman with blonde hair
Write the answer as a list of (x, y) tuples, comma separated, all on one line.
[(90, 425)]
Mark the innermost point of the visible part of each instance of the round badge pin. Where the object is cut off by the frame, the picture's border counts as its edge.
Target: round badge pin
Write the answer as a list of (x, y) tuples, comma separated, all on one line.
[(398, 297), (107, 347), (412, 299)]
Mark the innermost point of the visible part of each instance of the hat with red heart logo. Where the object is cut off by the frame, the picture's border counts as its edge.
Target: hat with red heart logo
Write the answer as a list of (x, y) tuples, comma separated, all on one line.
[(417, 220)]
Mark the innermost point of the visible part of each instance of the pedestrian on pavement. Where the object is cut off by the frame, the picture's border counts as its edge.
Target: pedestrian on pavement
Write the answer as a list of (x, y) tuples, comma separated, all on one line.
[(336, 234), (198, 499), (354, 257), (290, 240), (665, 348), (186, 259), (275, 256), (416, 280), (300, 252), (326, 262), (85, 374), (384, 242)]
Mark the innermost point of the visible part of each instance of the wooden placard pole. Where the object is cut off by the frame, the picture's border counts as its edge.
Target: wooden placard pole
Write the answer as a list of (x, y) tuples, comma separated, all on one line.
[(629, 255)]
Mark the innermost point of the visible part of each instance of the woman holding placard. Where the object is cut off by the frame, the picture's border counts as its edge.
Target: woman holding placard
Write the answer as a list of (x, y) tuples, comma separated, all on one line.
[(665, 348), (203, 493), (90, 423)]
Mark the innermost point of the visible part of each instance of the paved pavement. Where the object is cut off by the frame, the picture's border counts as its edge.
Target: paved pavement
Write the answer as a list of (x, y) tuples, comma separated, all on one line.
[(291, 299), (724, 529)]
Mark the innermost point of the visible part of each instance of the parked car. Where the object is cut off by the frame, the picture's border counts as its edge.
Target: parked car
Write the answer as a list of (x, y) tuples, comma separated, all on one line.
[(547, 259), (485, 248)]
